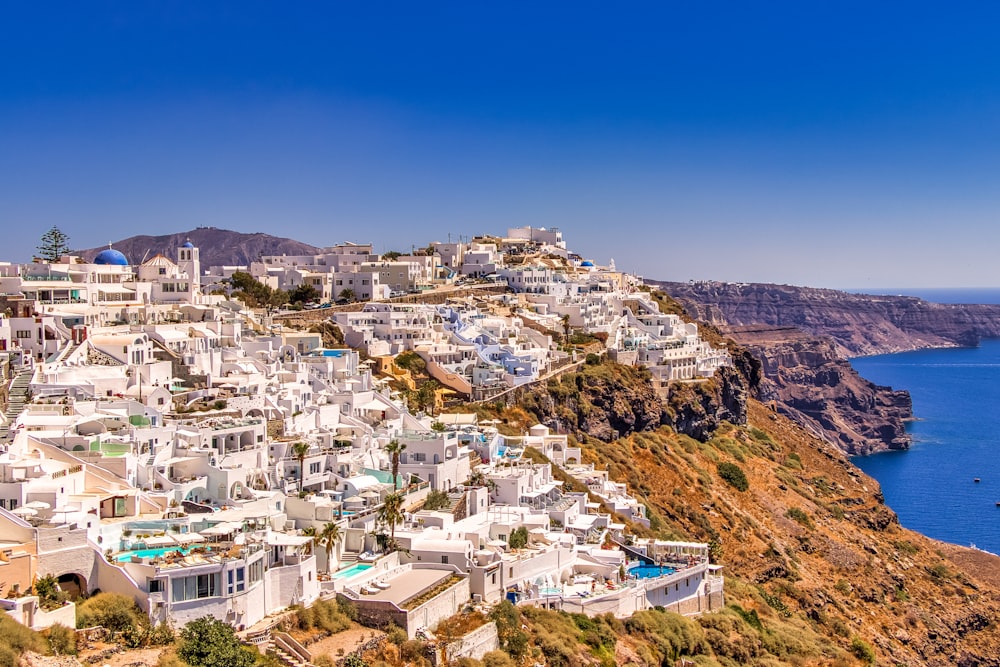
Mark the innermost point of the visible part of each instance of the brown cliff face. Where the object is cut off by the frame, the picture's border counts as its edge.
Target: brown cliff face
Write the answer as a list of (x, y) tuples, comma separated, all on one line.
[(859, 324), (805, 379), (607, 401)]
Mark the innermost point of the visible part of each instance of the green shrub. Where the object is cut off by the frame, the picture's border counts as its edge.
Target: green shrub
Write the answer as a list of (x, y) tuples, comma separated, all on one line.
[(209, 642), (672, 635), (16, 639), (733, 475), (862, 650), (62, 640), (326, 615), (798, 515), (518, 538), (114, 612), (436, 500)]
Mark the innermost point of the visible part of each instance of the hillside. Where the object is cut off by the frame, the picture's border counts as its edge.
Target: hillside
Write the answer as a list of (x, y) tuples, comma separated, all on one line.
[(860, 324), (818, 566), (218, 247)]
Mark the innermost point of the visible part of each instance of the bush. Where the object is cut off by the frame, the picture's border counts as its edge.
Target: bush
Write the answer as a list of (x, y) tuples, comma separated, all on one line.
[(62, 640), (209, 642), (16, 640), (862, 650), (518, 538), (799, 516), (325, 615), (436, 500), (512, 638), (114, 612), (498, 659), (733, 475)]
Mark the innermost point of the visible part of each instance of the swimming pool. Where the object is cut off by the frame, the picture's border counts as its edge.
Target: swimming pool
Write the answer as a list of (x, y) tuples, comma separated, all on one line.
[(650, 571), (357, 568), (126, 556)]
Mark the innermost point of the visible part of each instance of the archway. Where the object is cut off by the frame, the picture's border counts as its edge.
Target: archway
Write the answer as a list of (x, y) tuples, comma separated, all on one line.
[(73, 584)]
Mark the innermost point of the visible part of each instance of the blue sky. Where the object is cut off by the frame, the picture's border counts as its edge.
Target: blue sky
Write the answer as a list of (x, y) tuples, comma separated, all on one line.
[(828, 144)]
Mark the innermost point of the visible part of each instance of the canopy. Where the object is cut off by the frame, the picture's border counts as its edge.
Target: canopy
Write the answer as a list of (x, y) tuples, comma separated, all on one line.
[(188, 538), (224, 528), (25, 511), (159, 541), (38, 505)]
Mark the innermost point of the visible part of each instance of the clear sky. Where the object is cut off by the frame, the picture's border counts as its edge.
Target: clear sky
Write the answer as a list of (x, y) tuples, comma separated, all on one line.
[(834, 144)]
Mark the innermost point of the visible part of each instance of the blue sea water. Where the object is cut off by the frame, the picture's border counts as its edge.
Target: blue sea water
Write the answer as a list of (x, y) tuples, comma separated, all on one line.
[(956, 437)]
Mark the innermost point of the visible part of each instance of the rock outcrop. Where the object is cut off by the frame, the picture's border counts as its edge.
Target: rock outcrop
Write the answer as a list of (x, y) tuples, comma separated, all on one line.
[(608, 401), (805, 379), (859, 324)]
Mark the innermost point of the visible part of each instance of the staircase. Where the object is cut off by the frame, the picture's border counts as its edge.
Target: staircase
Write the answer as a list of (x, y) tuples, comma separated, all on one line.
[(16, 400), (288, 651)]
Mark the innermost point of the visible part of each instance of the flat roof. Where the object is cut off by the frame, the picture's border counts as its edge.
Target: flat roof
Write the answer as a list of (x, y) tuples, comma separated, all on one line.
[(406, 585)]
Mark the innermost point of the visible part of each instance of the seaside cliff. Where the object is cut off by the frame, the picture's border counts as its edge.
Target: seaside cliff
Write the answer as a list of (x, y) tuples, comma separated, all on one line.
[(859, 324)]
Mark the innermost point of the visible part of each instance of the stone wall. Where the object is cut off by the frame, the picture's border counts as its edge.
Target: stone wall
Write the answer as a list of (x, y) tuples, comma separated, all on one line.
[(473, 645)]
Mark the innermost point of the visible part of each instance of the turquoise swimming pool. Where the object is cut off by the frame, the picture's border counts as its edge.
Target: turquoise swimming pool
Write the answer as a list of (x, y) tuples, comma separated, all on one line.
[(149, 553), (357, 568), (650, 571)]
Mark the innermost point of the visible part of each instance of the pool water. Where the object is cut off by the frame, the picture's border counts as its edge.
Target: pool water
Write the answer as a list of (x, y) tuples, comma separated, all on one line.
[(650, 571), (357, 568), (149, 553)]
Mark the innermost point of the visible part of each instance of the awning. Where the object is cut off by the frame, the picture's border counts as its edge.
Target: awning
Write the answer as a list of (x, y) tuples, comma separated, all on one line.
[(286, 540), (224, 528), (114, 289), (158, 541), (188, 538)]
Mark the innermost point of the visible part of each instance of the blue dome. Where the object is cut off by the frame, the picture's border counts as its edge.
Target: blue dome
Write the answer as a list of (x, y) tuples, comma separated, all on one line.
[(187, 244), (586, 262), (112, 257)]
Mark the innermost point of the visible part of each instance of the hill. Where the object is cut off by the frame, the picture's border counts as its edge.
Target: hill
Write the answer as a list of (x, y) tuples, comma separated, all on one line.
[(819, 571), (218, 247), (859, 324)]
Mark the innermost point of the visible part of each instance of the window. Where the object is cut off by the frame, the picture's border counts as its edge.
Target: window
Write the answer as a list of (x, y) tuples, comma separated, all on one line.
[(156, 586), (313, 468), (256, 571), (194, 588), (240, 579)]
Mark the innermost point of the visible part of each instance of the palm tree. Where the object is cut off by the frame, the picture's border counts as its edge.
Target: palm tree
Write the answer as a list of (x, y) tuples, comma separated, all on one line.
[(394, 449), (299, 451), (565, 324), (309, 532), (329, 537), (391, 513)]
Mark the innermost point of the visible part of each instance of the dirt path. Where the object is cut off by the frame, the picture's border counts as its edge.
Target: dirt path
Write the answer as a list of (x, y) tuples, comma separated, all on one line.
[(348, 640)]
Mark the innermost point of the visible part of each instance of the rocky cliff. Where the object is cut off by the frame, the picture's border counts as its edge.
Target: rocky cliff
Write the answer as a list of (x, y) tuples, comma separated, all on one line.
[(859, 324), (606, 401), (805, 379)]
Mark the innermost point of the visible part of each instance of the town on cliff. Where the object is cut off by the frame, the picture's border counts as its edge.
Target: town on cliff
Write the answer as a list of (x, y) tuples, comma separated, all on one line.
[(232, 441)]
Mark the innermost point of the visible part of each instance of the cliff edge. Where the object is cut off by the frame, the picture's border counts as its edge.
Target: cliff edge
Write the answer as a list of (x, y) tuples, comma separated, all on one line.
[(858, 324)]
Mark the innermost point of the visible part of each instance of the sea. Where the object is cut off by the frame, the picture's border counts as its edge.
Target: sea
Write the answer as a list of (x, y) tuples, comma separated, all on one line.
[(933, 486)]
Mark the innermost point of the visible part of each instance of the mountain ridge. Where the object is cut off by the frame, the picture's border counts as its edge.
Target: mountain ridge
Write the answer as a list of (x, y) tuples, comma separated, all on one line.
[(217, 247), (859, 324)]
